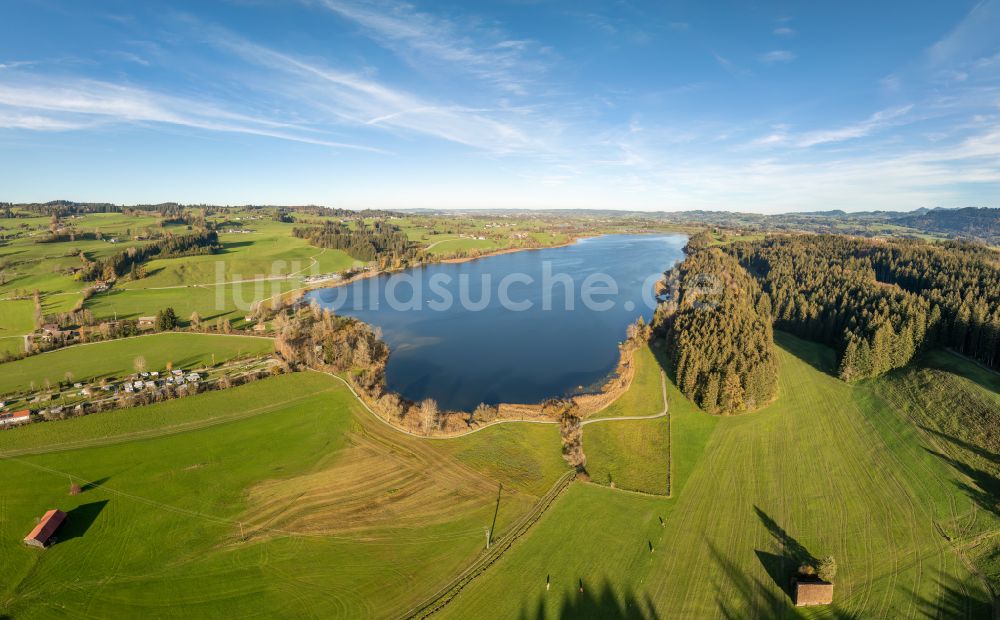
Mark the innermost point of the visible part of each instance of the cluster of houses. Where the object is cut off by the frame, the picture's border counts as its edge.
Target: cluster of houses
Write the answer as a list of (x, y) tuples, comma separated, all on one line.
[(152, 380), (322, 277), (52, 332), (137, 383)]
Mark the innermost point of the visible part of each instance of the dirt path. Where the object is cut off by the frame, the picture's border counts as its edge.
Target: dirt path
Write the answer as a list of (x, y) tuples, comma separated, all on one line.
[(663, 388)]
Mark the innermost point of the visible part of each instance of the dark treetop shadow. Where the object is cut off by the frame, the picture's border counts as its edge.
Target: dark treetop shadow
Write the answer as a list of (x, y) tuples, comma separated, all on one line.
[(954, 601), (986, 493), (792, 548), (979, 451), (595, 601)]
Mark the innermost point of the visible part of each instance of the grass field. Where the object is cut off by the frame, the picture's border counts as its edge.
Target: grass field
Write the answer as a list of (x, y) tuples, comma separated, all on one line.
[(115, 357), (230, 302), (631, 454), (186, 283), (643, 396), (958, 416), (635, 454), (282, 497), (450, 246), (828, 469), (16, 319), (269, 251)]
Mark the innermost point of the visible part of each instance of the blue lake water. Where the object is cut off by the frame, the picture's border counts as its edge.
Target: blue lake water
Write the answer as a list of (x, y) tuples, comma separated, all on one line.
[(516, 328)]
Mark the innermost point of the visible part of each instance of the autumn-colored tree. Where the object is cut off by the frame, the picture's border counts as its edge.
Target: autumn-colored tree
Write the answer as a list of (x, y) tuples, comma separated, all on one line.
[(827, 570)]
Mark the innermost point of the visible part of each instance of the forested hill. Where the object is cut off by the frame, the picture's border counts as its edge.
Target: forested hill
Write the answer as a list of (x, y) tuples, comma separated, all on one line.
[(381, 241), (970, 222), (879, 303), (717, 328)]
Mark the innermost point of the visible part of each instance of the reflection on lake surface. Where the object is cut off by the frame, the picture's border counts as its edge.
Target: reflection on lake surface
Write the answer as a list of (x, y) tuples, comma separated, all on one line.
[(518, 327)]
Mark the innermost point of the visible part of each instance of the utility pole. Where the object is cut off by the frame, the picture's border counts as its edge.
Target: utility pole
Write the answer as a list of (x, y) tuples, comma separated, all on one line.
[(487, 538)]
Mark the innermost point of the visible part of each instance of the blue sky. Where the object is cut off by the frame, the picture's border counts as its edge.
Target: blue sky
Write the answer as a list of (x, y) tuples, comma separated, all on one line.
[(753, 106)]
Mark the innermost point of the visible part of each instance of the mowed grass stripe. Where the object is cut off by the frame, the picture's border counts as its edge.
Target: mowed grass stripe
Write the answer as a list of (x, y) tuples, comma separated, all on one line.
[(147, 552), (828, 468)]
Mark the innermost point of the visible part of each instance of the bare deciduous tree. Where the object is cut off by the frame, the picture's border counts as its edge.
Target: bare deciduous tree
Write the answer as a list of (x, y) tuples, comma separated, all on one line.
[(429, 414)]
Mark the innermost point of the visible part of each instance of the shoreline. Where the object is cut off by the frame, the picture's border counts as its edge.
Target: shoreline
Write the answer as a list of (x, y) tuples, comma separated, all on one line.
[(381, 272), (587, 405)]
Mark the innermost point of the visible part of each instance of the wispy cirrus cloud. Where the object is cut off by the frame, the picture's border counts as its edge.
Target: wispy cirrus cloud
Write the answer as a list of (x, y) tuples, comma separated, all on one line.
[(877, 121), (37, 122), (14, 64), (337, 96), (479, 50), (65, 104), (883, 119)]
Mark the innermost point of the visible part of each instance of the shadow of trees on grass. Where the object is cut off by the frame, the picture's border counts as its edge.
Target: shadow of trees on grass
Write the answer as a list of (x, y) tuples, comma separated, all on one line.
[(782, 566), (979, 451), (595, 601), (954, 601)]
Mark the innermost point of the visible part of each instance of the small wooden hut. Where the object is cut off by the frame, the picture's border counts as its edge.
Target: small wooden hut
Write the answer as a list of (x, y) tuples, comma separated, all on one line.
[(813, 592)]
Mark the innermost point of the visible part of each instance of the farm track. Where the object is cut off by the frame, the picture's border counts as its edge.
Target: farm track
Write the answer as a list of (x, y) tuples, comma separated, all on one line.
[(863, 497), (442, 597), (663, 387)]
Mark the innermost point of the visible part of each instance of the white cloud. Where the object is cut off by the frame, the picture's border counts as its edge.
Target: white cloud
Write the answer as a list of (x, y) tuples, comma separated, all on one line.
[(784, 31), (14, 64), (776, 56), (483, 52), (17, 120), (974, 37), (353, 99), (875, 122), (76, 103)]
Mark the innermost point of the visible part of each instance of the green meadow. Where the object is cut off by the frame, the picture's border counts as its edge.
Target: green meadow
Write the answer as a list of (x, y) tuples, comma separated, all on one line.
[(114, 358), (828, 469), (643, 398), (301, 504), (286, 497), (231, 302)]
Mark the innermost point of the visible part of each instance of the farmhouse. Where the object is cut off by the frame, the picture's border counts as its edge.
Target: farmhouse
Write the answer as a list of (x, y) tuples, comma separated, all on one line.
[(41, 536), (14, 417), (813, 593), (146, 322), (51, 331)]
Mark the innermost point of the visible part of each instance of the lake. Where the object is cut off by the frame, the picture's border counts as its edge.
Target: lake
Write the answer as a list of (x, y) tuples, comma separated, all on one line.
[(518, 327)]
